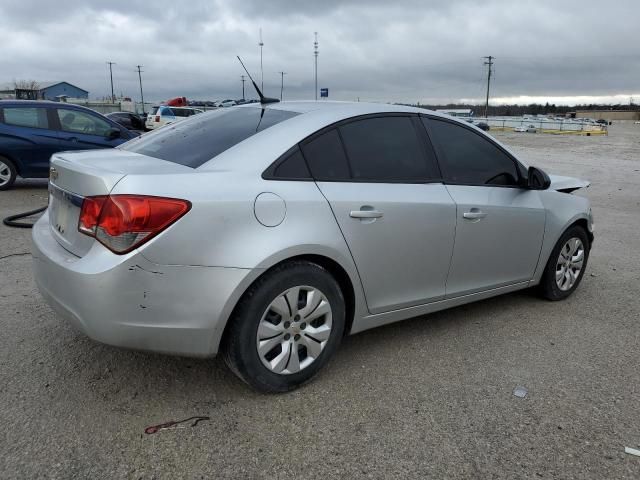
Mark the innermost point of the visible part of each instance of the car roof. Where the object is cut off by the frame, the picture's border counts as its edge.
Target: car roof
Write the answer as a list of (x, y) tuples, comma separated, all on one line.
[(271, 143), (43, 103)]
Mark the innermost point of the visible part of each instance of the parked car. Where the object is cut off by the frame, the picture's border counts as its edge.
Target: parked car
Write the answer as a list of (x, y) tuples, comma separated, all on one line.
[(129, 120), (31, 131), (164, 115), (526, 128), (226, 103), (268, 232), (483, 126)]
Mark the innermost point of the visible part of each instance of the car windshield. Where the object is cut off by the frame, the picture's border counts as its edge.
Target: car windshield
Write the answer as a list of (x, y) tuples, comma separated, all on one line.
[(197, 140)]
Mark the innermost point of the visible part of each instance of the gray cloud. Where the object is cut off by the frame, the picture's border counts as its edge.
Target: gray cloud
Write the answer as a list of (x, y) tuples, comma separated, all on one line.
[(375, 50)]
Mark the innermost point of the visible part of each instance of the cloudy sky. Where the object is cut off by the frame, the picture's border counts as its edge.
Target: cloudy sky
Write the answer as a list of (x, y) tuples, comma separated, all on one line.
[(404, 50)]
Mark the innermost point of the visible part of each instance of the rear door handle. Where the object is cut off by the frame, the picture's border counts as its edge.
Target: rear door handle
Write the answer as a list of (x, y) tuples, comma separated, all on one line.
[(474, 214), (365, 214)]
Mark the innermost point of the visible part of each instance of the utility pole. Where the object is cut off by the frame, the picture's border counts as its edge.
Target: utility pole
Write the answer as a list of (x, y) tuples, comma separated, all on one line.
[(242, 80), (315, 54), (261, 69), (113, 97), (140, 79), (282, 74), (489, 62)]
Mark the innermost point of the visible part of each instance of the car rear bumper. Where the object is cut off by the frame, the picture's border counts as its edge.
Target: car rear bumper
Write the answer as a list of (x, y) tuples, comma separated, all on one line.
[(127, 301)]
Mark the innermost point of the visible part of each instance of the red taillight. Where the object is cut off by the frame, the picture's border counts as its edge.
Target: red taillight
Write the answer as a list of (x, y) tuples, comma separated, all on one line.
[(157, 118), (124, 222), (91, 207)]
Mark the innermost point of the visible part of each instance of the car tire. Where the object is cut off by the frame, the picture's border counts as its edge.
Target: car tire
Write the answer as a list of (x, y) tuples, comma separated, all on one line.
[(8, 173), (275, 343), (561, 275)]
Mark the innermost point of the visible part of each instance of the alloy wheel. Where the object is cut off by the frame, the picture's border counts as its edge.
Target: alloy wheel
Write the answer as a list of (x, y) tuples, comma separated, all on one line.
[(569, 264), (5, 173), (294, 330)]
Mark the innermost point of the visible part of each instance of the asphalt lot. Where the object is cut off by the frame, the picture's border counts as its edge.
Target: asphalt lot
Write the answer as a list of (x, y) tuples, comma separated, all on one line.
[(430, 397)]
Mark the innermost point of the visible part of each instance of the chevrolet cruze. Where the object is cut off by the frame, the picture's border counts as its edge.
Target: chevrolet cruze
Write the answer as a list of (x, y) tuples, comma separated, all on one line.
[(268, 232)]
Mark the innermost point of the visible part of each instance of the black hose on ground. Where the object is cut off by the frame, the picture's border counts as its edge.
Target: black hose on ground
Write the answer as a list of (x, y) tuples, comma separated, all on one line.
[(10, 221)]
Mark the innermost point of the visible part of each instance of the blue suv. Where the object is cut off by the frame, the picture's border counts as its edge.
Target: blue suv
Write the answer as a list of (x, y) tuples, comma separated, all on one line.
[(31, 131)]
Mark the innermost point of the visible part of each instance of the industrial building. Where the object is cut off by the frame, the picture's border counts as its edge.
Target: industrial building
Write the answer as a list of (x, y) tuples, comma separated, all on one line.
[(45, 91)]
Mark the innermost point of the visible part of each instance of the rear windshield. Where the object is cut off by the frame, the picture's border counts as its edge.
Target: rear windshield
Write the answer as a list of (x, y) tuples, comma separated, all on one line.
[(197, 140), (153, 110)]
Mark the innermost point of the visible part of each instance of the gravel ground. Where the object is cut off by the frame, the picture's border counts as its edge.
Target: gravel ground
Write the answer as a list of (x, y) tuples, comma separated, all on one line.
[(430, 397)]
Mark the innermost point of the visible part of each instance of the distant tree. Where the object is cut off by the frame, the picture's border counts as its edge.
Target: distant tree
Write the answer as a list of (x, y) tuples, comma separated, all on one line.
[(26, 85)]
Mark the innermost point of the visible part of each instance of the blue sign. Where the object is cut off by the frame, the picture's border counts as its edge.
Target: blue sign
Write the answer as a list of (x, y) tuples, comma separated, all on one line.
[(324, 92)]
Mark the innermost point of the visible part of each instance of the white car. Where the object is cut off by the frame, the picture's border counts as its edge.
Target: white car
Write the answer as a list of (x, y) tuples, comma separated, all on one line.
[(163, 115), (527, 129), (226, 103)]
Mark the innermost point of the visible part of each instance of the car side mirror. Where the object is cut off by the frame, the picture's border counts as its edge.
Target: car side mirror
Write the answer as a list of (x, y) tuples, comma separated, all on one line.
[(113, 133), (537, 179)]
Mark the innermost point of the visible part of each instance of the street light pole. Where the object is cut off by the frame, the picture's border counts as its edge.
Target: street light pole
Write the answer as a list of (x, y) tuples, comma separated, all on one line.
[(282, 74), (242, 80), (315, 54), (140, 79), (261, 69), (113, 97)]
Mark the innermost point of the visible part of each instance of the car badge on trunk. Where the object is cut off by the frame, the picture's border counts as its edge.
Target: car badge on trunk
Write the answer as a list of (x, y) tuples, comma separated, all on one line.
[(53, 173)]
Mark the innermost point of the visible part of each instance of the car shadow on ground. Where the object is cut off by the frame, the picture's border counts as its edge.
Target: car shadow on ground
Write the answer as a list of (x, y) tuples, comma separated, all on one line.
[(115, 377)]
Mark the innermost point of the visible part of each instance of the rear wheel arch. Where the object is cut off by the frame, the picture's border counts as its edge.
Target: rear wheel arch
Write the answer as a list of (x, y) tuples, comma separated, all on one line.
[(333, 267), (16, 164)]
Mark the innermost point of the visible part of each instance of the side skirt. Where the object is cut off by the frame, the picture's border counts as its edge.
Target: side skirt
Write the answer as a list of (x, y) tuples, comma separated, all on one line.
[(372, 321)]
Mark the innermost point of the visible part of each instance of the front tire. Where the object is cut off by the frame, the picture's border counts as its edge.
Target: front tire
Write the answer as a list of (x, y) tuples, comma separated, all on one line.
[(286, 327), (8, 173), (566, 265)]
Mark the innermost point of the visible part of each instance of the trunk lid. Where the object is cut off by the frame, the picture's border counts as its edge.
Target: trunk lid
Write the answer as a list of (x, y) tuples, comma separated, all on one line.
[(76, 175)]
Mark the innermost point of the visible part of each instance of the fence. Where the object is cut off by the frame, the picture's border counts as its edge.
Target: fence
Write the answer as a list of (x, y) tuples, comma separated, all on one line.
[(546, 125)]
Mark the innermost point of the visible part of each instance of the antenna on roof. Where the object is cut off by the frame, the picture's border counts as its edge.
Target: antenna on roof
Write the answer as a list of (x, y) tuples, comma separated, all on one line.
[(263, 99)]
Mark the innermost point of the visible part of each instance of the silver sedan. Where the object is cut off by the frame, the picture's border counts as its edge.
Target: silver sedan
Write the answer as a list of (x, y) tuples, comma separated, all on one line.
[(268, 232)]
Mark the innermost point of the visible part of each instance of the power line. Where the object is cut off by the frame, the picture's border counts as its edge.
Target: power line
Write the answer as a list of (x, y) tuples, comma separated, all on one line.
[(282, 74), (113, 97), (140, 79), (489, 63)]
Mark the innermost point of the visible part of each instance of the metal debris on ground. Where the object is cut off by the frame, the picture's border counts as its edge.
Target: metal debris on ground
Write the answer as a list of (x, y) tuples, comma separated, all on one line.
[(173, 424), (520, 392), (632, 451)]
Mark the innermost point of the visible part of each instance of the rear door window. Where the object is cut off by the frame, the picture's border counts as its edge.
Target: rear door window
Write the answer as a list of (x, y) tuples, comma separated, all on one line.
[(387, 149), (197, 140), (32, 117)]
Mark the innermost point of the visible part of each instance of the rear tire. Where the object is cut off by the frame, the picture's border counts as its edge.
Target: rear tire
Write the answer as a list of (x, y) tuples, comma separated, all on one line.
[(286, 327), (566, 265), (8, 173)]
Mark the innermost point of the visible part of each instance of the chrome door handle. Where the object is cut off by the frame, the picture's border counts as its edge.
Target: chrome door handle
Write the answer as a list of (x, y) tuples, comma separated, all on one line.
[(365, 214), (474, 215)]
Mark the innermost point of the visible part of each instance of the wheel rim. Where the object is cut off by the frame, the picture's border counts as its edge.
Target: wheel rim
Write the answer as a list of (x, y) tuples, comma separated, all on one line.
[(294, 330), (569, 264), (5, 173)]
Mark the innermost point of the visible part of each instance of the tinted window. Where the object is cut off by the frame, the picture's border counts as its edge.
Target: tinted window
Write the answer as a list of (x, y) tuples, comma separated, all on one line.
[(325, 157), (197, 140), (77, 121), (386, 149), (293, 167), (468, 158), (33, 117), (166, 111), (182, 112)]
